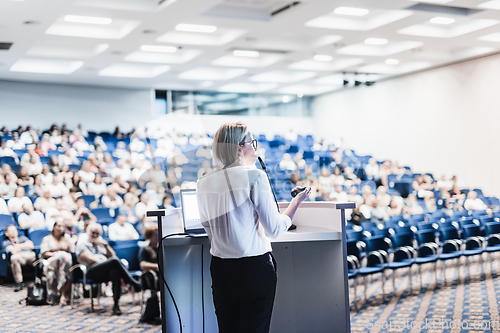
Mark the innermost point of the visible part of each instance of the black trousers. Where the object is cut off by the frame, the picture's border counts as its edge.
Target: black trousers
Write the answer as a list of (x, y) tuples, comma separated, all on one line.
[(111, 270), (243, 292)]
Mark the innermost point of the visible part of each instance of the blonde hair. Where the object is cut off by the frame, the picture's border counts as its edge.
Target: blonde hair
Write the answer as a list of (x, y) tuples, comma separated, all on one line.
[(226, 142)]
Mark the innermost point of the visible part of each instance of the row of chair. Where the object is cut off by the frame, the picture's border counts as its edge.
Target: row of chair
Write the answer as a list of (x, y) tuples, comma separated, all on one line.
[(406, 246)]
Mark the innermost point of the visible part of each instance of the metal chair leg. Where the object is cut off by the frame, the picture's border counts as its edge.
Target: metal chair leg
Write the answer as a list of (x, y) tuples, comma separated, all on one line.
[(366, 284), (394, 280), (420, 273), (355, 292), (444, 273), (383, 285), (411, 279), (71, 296), (91, 299)]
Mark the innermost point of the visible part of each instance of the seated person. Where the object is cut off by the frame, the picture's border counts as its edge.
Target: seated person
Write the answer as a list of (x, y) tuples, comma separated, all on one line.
[(16, 203), (111, 199), (44, 202), (168, 200), (56, 248), (148, 257), (102, 264), (149, 267), (122, 230), (473, 202), (30, 218), (22, 253), (82, 213)]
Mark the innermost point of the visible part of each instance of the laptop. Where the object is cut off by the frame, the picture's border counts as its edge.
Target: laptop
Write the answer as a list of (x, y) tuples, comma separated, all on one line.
[(190, 214)]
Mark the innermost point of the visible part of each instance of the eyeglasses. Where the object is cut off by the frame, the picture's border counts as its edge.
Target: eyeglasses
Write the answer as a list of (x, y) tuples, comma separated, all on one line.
[(253, 143), (95, 234)]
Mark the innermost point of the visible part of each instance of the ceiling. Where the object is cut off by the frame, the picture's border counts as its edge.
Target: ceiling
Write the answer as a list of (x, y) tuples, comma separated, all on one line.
[(303, 47)]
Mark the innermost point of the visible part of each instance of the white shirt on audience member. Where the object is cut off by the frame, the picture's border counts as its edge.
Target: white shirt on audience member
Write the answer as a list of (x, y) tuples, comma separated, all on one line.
[(118, 232), (4, 210)]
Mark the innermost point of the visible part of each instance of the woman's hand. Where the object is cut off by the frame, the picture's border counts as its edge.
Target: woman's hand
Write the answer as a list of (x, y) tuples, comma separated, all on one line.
[(302, 195)]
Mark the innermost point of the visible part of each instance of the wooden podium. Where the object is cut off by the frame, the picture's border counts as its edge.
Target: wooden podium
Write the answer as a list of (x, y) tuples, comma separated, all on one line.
[(312, 293)]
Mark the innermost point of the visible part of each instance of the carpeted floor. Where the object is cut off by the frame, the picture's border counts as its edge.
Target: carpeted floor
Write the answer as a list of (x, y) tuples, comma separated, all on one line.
[(460, 305), (467, 302), (15, 317)]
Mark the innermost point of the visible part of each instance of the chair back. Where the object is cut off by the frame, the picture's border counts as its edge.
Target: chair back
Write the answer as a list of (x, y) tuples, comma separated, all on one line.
[(37, 235), (426, 236), (129, 253), (400, 240), (448, 234), (492, 228), (472, 231)]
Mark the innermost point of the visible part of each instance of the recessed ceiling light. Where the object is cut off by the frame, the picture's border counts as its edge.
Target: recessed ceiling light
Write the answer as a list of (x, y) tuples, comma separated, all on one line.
[(285, 99), (45, 66), (442, 20), (323, 57), (392, 62), (88, 19), (351, 11), (196, 28), (376, 41), (494, 4), (246, 53), (158, 48)]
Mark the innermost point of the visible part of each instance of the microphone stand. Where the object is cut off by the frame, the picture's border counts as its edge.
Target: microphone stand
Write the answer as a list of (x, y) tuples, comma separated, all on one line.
[(269, 180)]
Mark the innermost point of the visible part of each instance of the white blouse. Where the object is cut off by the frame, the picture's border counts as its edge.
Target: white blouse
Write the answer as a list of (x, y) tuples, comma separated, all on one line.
[(238, 212)]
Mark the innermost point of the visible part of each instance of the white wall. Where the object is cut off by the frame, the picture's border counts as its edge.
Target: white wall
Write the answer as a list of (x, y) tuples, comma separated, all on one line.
[(444, 121), (101, 109), (268, 126), (97, 108)]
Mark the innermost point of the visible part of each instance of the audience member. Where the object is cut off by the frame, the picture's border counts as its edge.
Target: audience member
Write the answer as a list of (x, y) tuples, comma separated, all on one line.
[(111, 199), (473, 202), (102, 264), (30, 218), (18, 201), (122, 230), (56, 248), (22, 253)]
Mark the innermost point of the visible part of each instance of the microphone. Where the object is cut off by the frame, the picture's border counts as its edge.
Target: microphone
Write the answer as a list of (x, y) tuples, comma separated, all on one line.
[(269, 180), (293, 226)]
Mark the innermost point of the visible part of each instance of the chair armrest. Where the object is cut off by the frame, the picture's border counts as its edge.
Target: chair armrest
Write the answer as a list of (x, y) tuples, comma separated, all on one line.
[(353, 260), (453, 242), (477, 240), (83, 268), (431, 246), (40, 261), (403, 249), (378, 255)]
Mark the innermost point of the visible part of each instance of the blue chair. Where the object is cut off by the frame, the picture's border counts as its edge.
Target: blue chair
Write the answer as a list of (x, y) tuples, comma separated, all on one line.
[(354, 235), (479, 213), (492, 238), (451, 246), (417, 218), (376, 260), (474, 244), (103, 215), (352, 273), (6, 220), (404, 255), (88, 199), (36, 236), (8, 160), (427, 251), (460, 213)]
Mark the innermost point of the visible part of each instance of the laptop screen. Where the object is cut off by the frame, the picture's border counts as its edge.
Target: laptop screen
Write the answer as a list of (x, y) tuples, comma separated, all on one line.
[(190, 212)]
